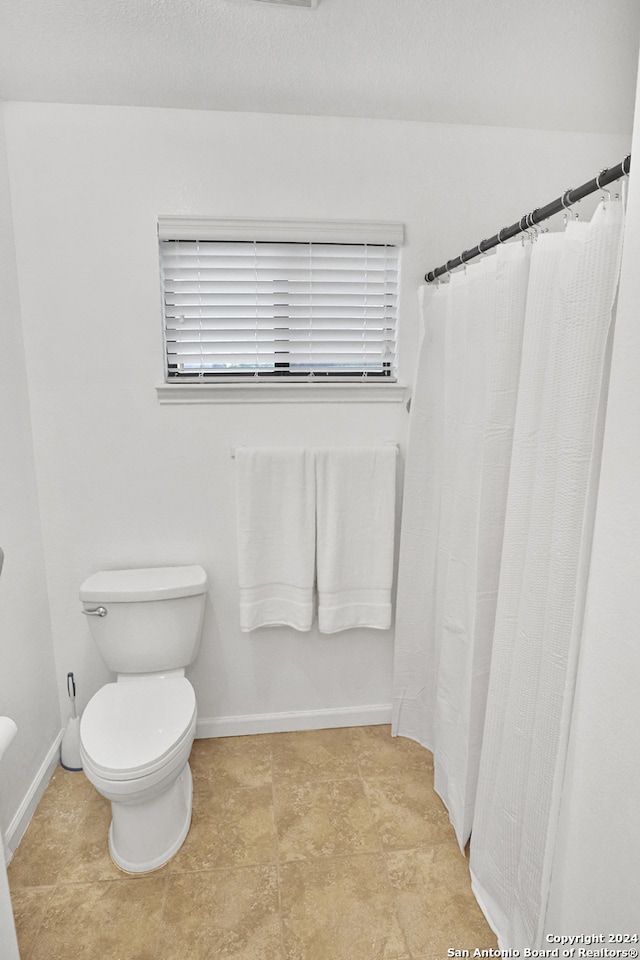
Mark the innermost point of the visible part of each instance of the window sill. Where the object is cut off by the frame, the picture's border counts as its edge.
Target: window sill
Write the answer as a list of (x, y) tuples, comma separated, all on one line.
[(281, 393)]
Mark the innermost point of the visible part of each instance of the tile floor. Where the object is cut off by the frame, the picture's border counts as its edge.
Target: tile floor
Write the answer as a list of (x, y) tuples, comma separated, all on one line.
[(319, 845)]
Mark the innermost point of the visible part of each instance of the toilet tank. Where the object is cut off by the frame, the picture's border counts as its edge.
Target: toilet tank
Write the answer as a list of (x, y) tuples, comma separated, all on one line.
[(151, 617)]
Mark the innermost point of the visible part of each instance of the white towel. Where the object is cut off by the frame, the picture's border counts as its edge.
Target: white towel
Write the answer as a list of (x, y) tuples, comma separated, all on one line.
[(355, 536), (276, 536)]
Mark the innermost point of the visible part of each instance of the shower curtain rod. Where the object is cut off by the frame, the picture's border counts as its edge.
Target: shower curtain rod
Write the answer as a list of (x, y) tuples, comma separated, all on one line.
[(536, 216)]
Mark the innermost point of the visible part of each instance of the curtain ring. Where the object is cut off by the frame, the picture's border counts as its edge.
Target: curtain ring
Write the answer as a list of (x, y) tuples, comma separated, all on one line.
[(525, 226), (483, 253), (567, 212), (568, 215), (604, 189)]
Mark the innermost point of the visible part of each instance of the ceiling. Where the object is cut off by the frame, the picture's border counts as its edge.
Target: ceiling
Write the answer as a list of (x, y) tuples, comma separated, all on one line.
[(553, 64)]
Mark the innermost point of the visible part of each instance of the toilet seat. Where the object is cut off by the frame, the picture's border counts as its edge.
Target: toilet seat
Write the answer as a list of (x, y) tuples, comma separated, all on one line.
[(161, 712)]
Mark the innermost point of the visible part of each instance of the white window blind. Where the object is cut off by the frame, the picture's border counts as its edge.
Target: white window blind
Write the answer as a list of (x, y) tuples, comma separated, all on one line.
[(317, 304)]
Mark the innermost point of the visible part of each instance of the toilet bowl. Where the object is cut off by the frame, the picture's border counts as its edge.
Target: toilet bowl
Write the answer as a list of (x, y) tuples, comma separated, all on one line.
[(136, 734), (135, 741)]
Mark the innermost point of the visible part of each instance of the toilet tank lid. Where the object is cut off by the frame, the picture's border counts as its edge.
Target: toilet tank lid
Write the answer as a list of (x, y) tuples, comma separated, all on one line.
[(147, 583)]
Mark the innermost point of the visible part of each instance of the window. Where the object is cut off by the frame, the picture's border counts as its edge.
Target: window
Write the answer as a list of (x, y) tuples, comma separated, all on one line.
[(271, 300)]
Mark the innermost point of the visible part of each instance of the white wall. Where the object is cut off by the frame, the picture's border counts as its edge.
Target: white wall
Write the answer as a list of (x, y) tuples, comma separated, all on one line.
[(27, 685), (596, 877), (123, 480)]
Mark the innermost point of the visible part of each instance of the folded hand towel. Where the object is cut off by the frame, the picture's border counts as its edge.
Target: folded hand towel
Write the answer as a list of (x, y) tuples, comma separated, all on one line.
[(355, 536), (276, 536)]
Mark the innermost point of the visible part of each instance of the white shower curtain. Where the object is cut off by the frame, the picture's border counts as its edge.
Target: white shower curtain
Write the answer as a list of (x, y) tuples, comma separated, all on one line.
[(462, 415), (499, 496)]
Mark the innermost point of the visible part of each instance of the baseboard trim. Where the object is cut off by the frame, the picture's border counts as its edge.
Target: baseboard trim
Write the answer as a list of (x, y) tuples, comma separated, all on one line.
[(364, 716), (27, 808)]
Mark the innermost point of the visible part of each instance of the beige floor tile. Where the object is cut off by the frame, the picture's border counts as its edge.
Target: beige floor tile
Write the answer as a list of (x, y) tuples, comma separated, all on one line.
[(380, 754), (407, 811), (66, 792), (44, 851), (229, 828), (435, 905), (368, 863), (313, 755), (29, 905), (89, 858), (340, 908), (324, 819), (108, 920), (232, 761), (49, 844), (222, 915)]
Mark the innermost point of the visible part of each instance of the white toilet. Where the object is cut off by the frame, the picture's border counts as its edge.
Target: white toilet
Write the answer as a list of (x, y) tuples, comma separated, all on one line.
[(136, 734)]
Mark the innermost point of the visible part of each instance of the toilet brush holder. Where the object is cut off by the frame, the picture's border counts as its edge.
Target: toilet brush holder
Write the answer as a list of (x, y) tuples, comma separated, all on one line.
[(70, 749)]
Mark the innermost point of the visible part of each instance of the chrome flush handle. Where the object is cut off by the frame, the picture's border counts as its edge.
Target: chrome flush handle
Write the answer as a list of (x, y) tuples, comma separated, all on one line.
[(96, 612)]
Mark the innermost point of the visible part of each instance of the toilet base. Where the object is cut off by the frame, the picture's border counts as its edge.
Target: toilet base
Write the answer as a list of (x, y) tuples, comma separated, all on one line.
[(144, 836)]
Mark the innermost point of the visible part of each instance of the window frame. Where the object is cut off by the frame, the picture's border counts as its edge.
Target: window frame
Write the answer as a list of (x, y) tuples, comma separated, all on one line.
[(205, 388)]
